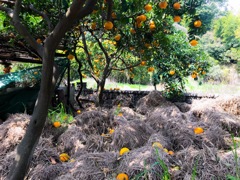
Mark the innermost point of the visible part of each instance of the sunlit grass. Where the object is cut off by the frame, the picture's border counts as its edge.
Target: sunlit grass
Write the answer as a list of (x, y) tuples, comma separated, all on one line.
[(191, 87)]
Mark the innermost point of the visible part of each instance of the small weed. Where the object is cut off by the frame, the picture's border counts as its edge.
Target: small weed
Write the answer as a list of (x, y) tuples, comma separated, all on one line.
[(234, 150), (194, 171), (59, 114)]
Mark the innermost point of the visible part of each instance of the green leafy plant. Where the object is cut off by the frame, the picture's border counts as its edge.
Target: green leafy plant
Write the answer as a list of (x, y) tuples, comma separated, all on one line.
[(194, 171), (234, 150), (59, 114)]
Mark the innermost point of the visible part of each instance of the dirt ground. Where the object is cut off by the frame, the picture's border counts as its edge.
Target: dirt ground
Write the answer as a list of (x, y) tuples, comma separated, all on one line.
[(159, 134)]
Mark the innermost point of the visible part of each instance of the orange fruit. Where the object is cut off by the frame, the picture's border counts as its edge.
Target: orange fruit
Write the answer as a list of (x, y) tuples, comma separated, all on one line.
[(120, 114), (198, 130), (114, 16), (108, 25), (152, 26), (157, 144), (143, 17), (70, 57), (177, 18), (203, 72), (131, 48), (194, 74), (166, 150), (111, 131), (197, 23), (177, 5), (64, 157), (150, 69), (148, 7), (122, 176), (172, 72), (56, 124), (123, 151), (39, 41), (132, 31), (171, 153), (143, 63), (78, 111), (94, 25), (117, 37), (163, 5), (193, 42)]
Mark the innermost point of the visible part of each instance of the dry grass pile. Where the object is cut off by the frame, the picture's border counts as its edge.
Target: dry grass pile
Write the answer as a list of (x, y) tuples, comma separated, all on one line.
[(149, 102), (73, 140), (123, 100), (145, 163), (94, 122), (11, 134), (201, 163), (180, 131), (92, 166), (126, 112), (131, 134), (231, 105), (158, 137), (211, 111), (161, 117), (47, 172), (45, 152)]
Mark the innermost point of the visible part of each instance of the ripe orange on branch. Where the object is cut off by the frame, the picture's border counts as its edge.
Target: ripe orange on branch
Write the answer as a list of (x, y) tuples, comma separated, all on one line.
[(197, 23), (177, 18), (148, 7), (172, 72), (70, 57), (193, 42), (163, 5), (177, 5), (117, 37), (108, 25)]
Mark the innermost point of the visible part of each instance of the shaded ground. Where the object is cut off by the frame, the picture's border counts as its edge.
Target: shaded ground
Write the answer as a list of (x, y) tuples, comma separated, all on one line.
[(94, 147)]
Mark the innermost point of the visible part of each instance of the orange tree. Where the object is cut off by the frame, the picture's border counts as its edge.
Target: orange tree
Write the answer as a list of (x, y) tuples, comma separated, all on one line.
[(143, 27), (121, 35)]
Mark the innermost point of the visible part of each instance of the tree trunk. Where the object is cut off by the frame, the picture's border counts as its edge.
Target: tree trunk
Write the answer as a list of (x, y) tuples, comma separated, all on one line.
[(26, 148), (100, 92)]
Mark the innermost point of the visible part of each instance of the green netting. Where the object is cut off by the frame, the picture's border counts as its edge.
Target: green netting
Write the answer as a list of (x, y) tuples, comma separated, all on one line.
[(19, 90)]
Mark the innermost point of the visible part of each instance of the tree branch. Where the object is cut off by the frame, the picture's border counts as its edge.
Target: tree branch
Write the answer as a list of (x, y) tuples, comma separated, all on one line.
[(45, 17)]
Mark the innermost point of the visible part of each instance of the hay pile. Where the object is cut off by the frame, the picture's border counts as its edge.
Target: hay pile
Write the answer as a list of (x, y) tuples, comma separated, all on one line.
[(11, 134), (145, 162), (146, 104), (94, 151), (130, 134), (222, 111)]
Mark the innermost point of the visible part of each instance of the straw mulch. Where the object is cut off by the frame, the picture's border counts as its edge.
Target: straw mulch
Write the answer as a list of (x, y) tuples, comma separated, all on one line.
[(204, 163), (72, 140), (94, 122), (127, 113), (146, 104), (145, 163), (123, 100), (94, 151), (130, 134), (11, 134), (91, 166)]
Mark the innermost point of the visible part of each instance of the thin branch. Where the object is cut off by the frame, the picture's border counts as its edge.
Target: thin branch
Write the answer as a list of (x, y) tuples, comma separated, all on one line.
[(45, 17)]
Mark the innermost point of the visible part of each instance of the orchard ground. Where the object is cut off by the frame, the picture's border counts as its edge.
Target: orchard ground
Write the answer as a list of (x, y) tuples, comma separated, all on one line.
[(161, 137)]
